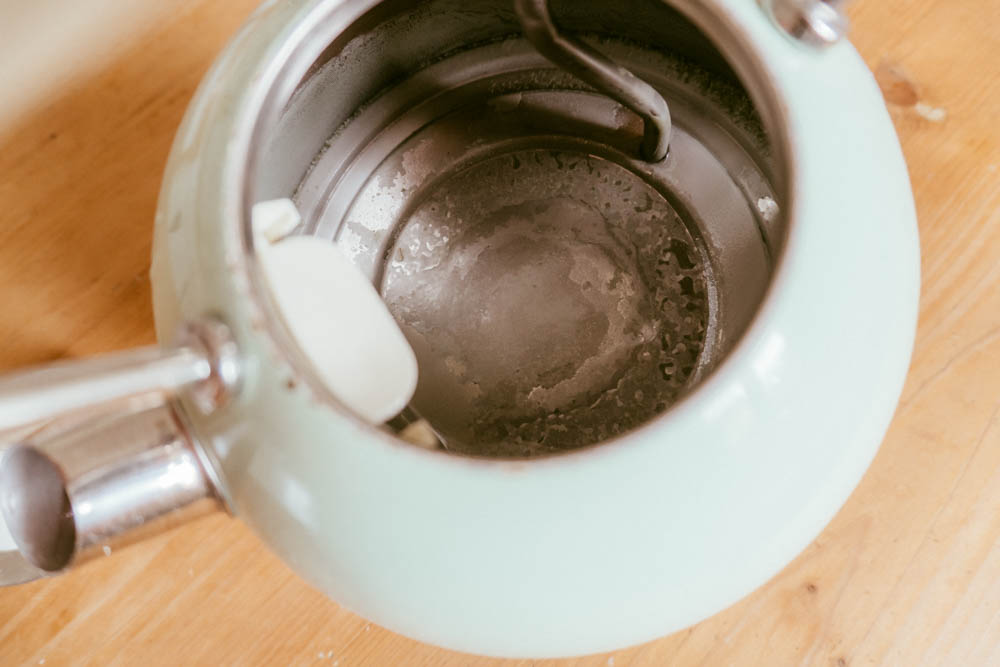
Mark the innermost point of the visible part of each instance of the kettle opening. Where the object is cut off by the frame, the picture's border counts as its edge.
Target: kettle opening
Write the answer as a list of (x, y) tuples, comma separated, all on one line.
[(559, 289)]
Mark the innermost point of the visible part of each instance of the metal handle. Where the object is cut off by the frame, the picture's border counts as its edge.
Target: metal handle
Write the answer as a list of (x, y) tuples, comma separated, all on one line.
[(82, 493), (205, 361), (604, 75), (120, 463), (43, 393)]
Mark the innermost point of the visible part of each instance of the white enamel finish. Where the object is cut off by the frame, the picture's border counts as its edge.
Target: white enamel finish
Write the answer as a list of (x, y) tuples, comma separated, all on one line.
[(274, 219), (342, 325), (608, 546)]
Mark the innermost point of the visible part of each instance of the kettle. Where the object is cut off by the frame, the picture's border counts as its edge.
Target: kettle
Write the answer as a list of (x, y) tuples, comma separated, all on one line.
[(658, 263)]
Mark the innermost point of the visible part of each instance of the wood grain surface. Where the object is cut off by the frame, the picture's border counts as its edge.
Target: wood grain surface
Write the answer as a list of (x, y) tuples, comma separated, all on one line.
[(908, 573)]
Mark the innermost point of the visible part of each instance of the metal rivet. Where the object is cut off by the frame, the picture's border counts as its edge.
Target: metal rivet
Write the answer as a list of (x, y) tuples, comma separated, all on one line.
[(214, 340), (816, 23)]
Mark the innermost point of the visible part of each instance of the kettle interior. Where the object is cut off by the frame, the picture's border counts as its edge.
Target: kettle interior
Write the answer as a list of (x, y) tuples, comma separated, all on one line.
[(558, 289)]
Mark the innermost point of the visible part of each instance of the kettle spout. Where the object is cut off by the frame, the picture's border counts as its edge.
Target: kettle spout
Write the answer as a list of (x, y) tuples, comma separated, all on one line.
[(75, 495)]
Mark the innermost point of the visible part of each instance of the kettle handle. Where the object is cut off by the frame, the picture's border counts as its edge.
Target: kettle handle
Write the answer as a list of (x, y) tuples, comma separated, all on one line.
[(68, 495), (118, 462), (204, 361)]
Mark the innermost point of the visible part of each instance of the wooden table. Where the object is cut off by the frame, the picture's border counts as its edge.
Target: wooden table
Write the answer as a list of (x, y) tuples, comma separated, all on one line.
[(909, 571)]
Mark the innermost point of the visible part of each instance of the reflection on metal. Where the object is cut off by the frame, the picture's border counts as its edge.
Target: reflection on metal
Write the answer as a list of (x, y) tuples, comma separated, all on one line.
[(117, 463), (816, 23), (215, 342), (597, 70), (117, 479), (206, 362), (42, 393)]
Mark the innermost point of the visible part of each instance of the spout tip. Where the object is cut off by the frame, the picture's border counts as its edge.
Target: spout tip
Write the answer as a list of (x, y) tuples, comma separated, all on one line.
[(36, 508)]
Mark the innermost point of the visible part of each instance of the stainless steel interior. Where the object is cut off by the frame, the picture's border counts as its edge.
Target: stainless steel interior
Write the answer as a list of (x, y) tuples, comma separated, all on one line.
[(557, 289)]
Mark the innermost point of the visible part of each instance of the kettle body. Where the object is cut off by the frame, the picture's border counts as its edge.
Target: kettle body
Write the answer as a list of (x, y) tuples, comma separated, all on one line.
[(600, 547)]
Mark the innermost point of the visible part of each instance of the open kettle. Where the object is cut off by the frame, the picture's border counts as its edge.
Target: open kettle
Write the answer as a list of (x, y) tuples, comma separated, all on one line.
[(658, 263)]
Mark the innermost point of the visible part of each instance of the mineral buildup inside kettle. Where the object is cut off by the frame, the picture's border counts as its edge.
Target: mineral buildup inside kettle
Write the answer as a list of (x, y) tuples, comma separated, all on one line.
[(557, 288), (553, 298)]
